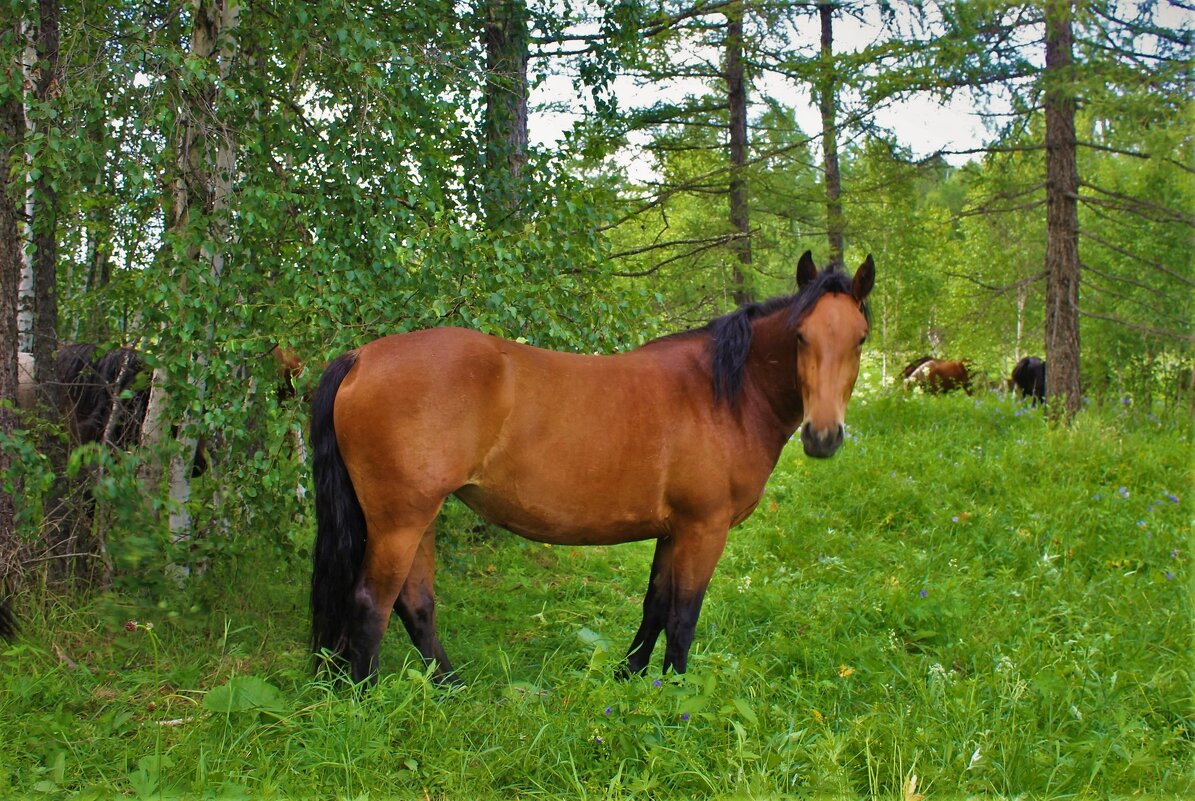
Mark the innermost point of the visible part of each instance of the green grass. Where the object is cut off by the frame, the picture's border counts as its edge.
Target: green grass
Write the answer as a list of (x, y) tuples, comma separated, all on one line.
[(962, 595)]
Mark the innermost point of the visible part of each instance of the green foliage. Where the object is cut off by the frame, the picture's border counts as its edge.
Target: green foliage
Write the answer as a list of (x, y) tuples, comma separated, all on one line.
[(963, 593)]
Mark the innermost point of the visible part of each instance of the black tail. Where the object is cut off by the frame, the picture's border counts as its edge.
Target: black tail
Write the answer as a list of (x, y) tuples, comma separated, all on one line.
[(340, 523), (8, 622)]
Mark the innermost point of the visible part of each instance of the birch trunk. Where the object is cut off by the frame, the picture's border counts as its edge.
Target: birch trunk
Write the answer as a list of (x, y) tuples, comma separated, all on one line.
[(205, 164)]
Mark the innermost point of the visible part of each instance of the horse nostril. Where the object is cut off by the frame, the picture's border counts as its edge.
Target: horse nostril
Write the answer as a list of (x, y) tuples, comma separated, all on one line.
[(821, 444)]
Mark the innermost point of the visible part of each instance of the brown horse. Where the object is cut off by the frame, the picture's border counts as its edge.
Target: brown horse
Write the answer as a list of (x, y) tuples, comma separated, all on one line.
[(673, 441), (937, 376)]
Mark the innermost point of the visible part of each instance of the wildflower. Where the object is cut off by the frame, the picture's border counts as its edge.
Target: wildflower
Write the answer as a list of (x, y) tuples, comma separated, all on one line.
[(608, 710), (1170, 575), (974, 759), (1124, 492), (1174, 554), (130, 626), (1170, 496), (1004, 665), (954, 519), (685, 716), (1141, 523), (844, 671), (657, 683), (924, 592)]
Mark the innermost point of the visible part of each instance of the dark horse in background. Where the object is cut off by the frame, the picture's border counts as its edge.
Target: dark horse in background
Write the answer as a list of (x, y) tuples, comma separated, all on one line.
[(1029, 378), (672, 441), (103, 398), (937, 376)]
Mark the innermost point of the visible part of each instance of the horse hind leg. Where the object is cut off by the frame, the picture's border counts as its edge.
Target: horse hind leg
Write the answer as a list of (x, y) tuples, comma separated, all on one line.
[(390, 554), (655, 611), (416, 608)]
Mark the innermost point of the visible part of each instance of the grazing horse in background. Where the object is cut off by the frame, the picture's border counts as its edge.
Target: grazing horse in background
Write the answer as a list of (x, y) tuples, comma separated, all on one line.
[(104, 399), (673, 441), (289, 368), (1029, 376), (937, 376)]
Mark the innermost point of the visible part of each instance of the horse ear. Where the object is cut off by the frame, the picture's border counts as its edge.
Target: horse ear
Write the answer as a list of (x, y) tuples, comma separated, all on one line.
[(865, 278), (806, 269)]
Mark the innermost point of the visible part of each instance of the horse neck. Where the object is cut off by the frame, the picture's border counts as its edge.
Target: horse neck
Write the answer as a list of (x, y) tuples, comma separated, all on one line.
[(771, 376)]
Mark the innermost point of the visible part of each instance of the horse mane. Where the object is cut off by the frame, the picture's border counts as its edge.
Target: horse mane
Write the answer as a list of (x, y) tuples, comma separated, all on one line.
[(730, 335)]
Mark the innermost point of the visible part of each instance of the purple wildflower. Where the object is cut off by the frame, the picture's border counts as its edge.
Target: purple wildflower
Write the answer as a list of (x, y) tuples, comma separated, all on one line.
[(954, 519), (657, 683), (924, 592), (1171, 497), (1170, 575), (608, 710), (685, 716), (1124, 492)]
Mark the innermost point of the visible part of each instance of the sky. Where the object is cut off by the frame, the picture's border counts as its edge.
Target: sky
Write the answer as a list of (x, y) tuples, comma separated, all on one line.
[(922, 124)]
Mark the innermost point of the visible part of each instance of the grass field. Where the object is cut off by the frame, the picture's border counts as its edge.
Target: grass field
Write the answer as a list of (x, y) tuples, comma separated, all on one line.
[(962, 603)]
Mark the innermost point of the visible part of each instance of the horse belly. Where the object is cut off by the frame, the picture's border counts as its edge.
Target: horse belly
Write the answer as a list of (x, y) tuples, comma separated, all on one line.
[(580, 492)]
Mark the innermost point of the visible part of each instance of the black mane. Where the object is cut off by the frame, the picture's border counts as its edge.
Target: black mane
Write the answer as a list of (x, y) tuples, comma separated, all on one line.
[(730, 335)]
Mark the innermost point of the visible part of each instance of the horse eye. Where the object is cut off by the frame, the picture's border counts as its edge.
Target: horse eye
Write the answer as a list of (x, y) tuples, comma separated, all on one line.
[(801, 338), (862, 340)]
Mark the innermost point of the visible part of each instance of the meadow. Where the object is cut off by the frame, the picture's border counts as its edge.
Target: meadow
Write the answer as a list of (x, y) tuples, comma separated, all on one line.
[(964, 602)]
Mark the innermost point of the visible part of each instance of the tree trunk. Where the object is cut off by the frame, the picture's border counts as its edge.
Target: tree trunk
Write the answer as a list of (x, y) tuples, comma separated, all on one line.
[(12, 135), (505, 110), (45, 216), (205, 163), (26, 303), (1062, 216), (827, 102), (736, 93)]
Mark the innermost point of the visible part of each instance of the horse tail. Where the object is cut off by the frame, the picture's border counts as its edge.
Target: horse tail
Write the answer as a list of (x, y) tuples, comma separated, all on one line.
[(340, 522)]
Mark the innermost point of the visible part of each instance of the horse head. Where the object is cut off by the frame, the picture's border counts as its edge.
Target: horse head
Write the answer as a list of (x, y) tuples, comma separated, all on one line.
[(830, 338)]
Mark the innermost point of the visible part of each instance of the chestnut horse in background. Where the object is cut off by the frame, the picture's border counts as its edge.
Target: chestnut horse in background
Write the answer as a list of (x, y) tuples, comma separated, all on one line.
[(937, 376), (672, 441)]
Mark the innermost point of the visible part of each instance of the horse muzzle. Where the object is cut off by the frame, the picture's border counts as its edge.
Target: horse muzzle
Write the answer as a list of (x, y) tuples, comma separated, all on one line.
[(821, 444)]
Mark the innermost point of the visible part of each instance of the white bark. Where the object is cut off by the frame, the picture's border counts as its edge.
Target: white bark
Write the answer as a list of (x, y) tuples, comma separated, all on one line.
[(26, 289)]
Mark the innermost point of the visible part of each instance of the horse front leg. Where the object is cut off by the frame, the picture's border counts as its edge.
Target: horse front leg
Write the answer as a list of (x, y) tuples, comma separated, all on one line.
[(696, 553), (655, 611)]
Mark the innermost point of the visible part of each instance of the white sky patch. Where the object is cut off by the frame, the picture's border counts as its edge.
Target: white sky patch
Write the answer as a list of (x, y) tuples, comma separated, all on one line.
[(923, 124)]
